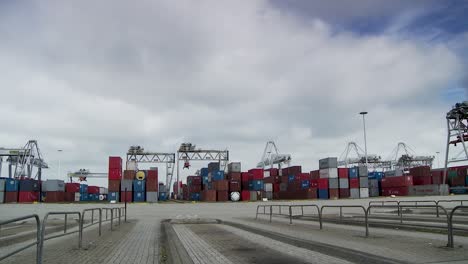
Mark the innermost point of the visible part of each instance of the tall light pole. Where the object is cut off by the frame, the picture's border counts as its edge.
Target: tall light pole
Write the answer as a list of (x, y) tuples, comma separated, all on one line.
[(365, 138), (438, 160), (59, 152)]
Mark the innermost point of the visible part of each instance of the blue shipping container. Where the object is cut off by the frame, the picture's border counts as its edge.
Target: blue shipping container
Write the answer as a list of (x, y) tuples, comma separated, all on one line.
[(257, 185), (323, 193), (205, 179), (138, 196), (84, 197), (113, 196), (218, 175), (290, 178), (353, 172), (204, 172), (83, 188), (375, 175), (28, 186), (162, 196), (195, 196), (139, 186), (305, 184), (12, 185)]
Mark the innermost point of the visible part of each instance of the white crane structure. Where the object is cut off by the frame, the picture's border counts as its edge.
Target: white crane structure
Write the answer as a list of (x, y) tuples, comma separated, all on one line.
[(457, 134), (271, 157), (24, 160), (403, 157), (84, 174), (346, 158)]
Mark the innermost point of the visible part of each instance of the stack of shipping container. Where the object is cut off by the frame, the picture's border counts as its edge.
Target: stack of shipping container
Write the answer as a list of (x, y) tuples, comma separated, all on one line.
[(54, 191)]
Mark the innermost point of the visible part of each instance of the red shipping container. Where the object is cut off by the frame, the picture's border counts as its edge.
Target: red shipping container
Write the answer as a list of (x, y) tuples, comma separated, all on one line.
[(222, 196), (284, 171), (354, 183), (115, 174), (315, 174), (93, 189), (314, 183), (69, 197), (276, 187), (234, 186), (129, 174), (11, 197), (245, 176), (400, 181), (28, 197), (457, 181), (72, 187), (273, 172), (344, 193), (209, 195), (294, 170), (257, 174), (126, 196), (343, 173), (222, 185), (152, 174), (152, 185), (334, 193), (436, 179), (304, 176), (115, 163), (55, 197), (194, 188), (284, 179), (234, 176), (425, 180), (112, 185), (400, 191), (322, 183), (311, 193), (245, 185), (245, 195)]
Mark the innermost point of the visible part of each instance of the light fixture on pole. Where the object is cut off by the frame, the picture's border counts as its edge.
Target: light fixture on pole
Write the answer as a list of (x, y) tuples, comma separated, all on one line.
[(365, 138), (59, 151)]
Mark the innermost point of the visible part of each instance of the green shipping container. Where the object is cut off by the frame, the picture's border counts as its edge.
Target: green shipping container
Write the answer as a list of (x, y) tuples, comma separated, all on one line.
[(452, 173)]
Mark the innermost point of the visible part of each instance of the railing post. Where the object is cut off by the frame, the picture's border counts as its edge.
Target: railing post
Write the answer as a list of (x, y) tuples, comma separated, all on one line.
[(398, 205), (367, 222), (341, 213), (112, 217), (92, 216), (100, 220), (437, 208), (280, 209), (65, 226), (38, 240), (401, 213), (125, 205), (119, 216), (302, 209), (80, 230), (256, 213), (271, 212), (290, 215)]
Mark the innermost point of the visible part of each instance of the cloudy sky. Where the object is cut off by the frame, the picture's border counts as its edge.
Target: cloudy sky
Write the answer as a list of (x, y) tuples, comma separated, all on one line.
[(94, 77)]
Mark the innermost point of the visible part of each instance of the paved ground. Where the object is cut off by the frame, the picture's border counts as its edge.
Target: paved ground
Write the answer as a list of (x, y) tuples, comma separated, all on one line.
[(303, 242)]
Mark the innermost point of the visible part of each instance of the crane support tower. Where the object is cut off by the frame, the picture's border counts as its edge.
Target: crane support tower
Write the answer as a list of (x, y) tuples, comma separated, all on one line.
[(83, 174), (139, 155), (24, 160), (271, 156), (187, 152), (408, 158), (457, 134)]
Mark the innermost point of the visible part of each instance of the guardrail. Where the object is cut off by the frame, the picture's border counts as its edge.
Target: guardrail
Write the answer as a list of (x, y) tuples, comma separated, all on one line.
[(37, 243), (450, 222), (41, 230), (349, 206), (319, 212)]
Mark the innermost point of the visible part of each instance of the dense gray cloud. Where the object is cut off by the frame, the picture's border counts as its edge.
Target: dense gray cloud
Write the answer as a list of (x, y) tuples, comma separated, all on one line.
[(93, 79)]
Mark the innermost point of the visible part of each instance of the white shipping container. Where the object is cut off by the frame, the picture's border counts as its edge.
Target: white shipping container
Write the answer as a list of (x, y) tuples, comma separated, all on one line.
[(266, 173), (2, 184), (364, 192), (132, 165), (2, 197), (328, 173), (103, 190), (268, 187), (77, 197)]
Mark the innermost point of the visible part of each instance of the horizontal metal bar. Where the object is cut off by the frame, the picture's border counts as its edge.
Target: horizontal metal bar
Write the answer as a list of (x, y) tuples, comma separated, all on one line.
[(17, 250), (60, 235)]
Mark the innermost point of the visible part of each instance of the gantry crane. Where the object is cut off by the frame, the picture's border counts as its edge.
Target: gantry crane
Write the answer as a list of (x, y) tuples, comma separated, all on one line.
[(139, 155), (346, 158), (271, 157), (84, 174), (457, 134), (24, 160), (408, 158), (188, 152)]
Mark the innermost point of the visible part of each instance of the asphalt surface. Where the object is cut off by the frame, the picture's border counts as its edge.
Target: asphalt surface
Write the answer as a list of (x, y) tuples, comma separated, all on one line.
[(235, 238)]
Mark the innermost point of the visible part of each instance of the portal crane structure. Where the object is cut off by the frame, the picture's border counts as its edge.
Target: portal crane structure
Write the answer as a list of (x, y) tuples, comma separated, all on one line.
[(346, 158), (188, 152), (271, 157), (84, 174), (408, 158), (24, 160), (139, 155), (457, 134)]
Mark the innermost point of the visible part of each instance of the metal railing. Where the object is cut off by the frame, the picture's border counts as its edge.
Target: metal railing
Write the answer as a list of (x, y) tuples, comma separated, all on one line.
[(319, 212), (37, 243), (348, 206), (43, 238), (450, 223), (41, 227)]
